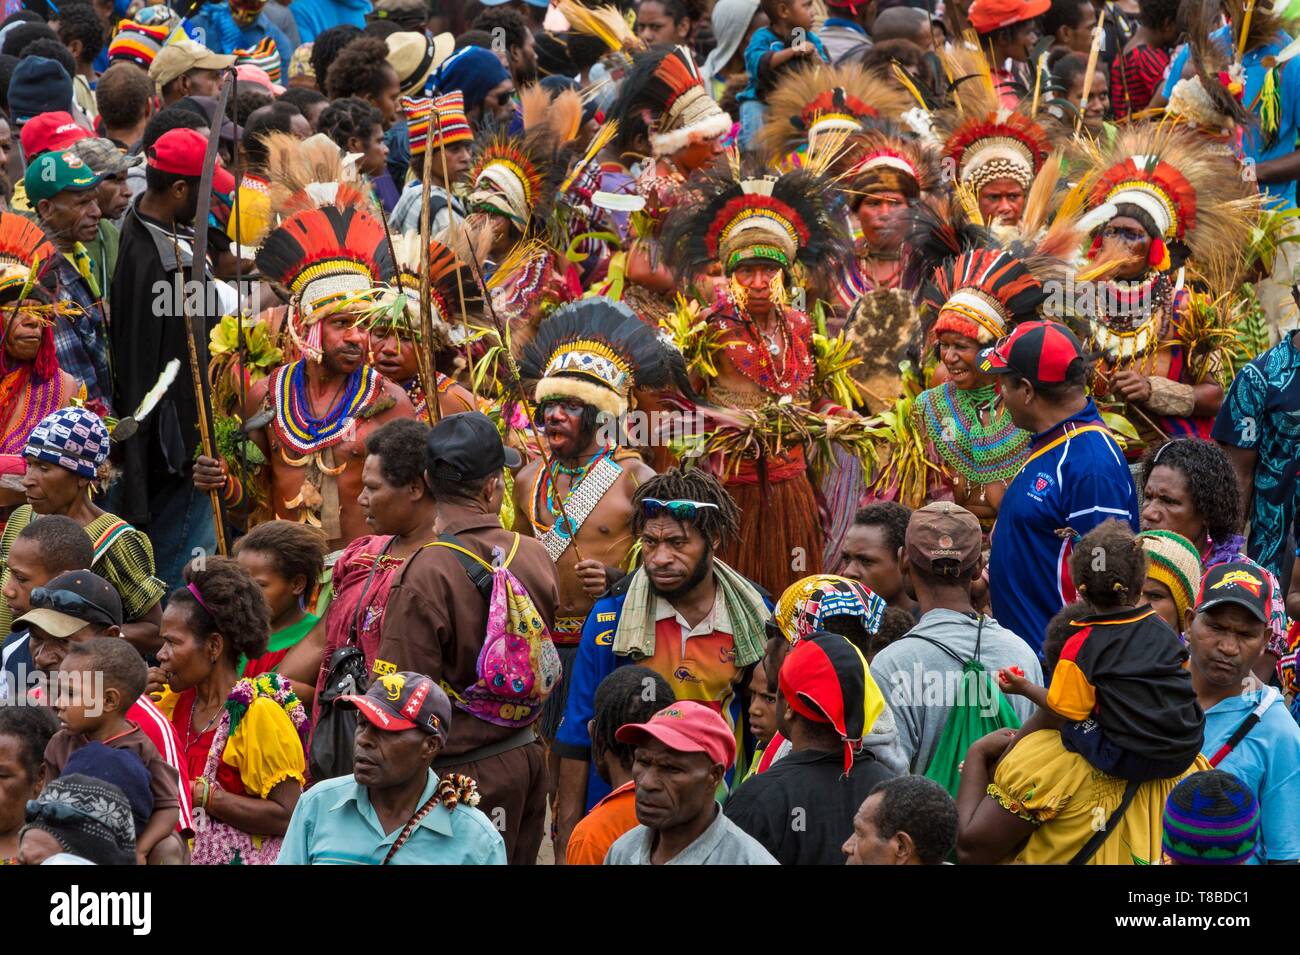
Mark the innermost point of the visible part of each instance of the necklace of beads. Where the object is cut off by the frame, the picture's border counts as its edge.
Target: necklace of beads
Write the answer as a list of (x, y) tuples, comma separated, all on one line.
[(981, 453), (756, 358), (305, 433), (545, 487)]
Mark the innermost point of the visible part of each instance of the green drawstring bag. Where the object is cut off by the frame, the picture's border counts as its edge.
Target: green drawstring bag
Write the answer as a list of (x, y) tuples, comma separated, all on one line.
[(967, 720)]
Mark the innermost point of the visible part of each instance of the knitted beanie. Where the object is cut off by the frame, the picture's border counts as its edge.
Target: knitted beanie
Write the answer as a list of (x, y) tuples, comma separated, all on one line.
[(1211, 818), (1174, 561), (88, 817), (123, 769)]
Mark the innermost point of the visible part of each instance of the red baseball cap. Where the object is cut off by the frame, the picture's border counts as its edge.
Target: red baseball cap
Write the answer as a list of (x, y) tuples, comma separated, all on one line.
[(687, 727), (1038, 351), (989, 15), (50, 131), (183, 152)]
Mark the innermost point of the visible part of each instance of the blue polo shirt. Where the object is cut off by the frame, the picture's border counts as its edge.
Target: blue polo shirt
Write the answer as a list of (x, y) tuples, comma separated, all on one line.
[(1076, 478), (1289, 88), (1268, 762), (334, 824)]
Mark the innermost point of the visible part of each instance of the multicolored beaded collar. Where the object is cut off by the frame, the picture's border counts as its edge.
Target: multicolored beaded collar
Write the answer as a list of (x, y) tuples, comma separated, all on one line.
[(294, 423)]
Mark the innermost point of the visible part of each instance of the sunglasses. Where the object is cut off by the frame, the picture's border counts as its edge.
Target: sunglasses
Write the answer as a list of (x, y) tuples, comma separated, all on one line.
[(680, 510), (65, 601)]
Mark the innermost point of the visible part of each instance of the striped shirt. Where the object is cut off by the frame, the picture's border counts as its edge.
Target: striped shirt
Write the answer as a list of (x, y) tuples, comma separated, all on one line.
[(1134, 78), (145, 714)]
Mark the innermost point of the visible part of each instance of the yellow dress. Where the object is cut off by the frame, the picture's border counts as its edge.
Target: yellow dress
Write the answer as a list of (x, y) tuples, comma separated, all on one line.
[(1065, 799)]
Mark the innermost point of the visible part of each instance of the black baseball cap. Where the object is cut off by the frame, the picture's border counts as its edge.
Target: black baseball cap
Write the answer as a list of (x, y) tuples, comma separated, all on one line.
[(1236, 583), (466, 447), (403, 701), (1040, 352), (72, 601)]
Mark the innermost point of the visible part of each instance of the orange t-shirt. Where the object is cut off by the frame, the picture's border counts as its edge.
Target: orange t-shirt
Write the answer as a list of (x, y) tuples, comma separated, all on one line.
[(608, 819)]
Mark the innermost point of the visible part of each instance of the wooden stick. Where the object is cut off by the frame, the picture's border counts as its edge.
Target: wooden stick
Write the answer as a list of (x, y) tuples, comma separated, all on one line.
[(1093, 53), (451, 228), (423, 359)]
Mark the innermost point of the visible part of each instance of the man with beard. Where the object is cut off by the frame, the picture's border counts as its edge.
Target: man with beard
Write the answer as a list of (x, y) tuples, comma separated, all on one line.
[(324, 405), (361, 819), (684, 614), (151, 329)]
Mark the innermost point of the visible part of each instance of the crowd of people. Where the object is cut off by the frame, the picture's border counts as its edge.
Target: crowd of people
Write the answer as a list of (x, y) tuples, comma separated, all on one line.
[(660, 432)]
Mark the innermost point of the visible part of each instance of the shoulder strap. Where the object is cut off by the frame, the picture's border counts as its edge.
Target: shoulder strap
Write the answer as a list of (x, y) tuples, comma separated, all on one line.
[(476, 568), (410, 827), (1242, 731), (1092, 845), (935, 643)]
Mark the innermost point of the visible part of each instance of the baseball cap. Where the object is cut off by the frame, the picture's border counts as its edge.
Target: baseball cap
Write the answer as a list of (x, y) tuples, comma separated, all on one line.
[(414, 12), (183, 152), (52, 173), (178, 58), (941, 533), (403, 701), (50, 131), (989, 15), (466, 447), (72, 601), (248, 73), (1040, 352), (103, 157), (687, 727), (1236, 582)]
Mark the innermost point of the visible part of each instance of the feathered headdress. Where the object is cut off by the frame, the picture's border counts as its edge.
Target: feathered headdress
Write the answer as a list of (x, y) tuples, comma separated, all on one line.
[(742, 215), (1213, 97), (884, 159), (983, 139), (327, 259), (816, 99), (310, 173), (518, 176), (1183, 192), (598, 351), (665, 88), (26, 254), (449, 278)]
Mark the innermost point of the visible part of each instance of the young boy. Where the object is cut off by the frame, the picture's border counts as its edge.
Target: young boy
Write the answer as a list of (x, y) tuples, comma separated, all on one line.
[(1120, 692), (788, 39), (438, 124), (41, 551), (97, 683)]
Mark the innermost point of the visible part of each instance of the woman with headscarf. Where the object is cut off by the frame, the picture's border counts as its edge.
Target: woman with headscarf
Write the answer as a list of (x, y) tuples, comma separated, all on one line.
[(732, 22), (67, 460)]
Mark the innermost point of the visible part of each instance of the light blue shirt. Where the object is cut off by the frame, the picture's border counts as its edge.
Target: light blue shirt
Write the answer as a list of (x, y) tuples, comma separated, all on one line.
[(1289, 121), (334, 824), (1268, 762)]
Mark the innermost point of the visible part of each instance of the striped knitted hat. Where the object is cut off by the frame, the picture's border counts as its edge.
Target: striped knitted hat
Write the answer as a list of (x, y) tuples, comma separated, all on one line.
[(1211, 818), (1174, 561), (139, 40), (451, 122), (265, 56)]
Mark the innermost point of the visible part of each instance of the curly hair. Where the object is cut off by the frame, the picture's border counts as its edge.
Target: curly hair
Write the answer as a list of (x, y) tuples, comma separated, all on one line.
[(51, 48), (720, 523), (20, 37), (345, 118), (276, 118), (64, 543), (296, 550), (165, 120), (1154, 14), (248, 102), (631, 694), (400, 447), (123, 668), (921, 808), (891, 517), (1210, 480), (33, 727), (1057, 632), (1108, 566), (506, 18), (232, 606), (326, 48), (360, 70), (79, 21)]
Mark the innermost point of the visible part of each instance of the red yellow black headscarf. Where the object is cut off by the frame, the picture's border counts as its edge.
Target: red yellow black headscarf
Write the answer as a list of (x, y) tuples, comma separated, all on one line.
[(825, 679)]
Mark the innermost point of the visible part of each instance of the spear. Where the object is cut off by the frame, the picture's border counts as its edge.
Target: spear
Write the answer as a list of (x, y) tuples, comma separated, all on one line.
[(512, 373), (1093, 54), (423, 358)]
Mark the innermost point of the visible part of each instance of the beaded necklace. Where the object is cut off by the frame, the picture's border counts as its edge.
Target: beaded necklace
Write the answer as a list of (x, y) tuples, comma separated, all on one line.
[(545, 485), (37, 401), (302, 431), (981, 453), (755, 360)]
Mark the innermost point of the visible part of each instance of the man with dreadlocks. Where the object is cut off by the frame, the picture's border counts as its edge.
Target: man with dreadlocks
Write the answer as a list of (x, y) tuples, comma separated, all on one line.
[(684, 613), (323, 406), (586, 359), (754, 351), (1164, 204)]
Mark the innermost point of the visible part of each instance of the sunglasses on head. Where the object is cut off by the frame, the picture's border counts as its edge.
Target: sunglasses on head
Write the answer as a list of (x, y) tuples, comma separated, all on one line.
[(65, 601), (681, 510)]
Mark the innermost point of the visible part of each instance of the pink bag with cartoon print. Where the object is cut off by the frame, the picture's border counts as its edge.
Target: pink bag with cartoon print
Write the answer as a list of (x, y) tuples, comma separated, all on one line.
[(518, 667)]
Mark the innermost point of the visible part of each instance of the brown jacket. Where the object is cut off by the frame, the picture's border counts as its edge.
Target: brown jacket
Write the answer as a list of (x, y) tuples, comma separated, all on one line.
[(435, 619)]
